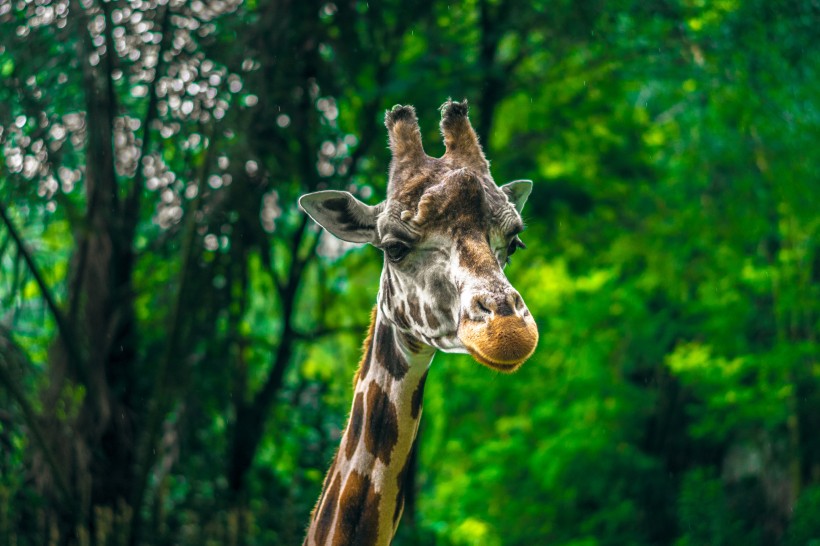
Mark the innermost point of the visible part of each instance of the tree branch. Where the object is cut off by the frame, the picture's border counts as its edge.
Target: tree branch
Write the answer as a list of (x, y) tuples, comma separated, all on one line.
[(65, 332)]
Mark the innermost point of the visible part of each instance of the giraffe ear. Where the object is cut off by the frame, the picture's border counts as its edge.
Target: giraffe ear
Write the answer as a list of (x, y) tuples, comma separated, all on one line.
[(342, 215), (517, 192)]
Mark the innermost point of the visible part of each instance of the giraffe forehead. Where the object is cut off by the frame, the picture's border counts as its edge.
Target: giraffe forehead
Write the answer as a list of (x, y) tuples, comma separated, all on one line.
[(441, 195)]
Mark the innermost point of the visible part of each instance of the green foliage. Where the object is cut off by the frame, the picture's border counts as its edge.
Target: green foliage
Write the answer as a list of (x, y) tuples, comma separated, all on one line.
[(805, 529), (672, 268), (704, 514)]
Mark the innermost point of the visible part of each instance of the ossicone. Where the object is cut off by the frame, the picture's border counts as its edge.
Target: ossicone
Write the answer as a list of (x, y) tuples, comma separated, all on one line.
[(460, 140), (403, 130)]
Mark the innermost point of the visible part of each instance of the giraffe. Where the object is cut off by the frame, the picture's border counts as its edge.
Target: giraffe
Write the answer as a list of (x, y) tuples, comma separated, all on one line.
[(446, 231)]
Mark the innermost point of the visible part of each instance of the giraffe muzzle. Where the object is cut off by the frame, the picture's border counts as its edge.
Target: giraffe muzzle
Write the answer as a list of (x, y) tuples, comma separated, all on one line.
[(502, 342)]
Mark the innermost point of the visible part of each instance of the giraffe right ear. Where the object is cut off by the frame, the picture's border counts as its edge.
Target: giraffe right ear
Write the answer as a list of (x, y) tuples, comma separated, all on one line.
[(342, 215), (517, 192)]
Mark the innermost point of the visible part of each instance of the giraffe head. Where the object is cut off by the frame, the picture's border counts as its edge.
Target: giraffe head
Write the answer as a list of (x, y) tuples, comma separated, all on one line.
[(446, 231)]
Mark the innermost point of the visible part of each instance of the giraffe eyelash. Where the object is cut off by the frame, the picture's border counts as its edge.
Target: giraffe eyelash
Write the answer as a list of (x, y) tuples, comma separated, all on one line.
[(514, 245)]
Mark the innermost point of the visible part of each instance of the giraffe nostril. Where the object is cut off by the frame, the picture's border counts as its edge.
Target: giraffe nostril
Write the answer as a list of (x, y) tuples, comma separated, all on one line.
[(505, 309), (498, 305)]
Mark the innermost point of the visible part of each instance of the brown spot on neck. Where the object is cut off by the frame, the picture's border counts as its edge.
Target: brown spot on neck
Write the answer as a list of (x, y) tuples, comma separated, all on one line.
[(418, 395), (388, 353), (381, 431), (358, 520)]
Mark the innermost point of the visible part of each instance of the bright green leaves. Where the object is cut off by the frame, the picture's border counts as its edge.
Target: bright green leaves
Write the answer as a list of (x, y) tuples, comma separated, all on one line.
[(739, 394), (6, 68)]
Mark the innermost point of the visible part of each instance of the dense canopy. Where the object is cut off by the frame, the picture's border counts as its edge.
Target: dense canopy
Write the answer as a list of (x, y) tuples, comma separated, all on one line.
[(177, 339)]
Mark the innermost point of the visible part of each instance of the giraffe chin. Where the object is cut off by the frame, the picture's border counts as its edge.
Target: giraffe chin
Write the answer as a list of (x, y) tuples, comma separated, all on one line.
[(502, 343)]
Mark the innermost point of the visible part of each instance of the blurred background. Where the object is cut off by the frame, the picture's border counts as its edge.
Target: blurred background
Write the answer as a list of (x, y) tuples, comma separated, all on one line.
[(177, 340)]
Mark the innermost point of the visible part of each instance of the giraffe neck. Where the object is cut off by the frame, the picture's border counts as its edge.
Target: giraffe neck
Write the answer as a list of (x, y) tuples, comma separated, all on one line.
[(363, 494)]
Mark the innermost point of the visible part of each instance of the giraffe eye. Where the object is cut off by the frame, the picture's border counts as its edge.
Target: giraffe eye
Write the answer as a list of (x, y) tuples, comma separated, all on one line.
[(396, 251), (515, 244)]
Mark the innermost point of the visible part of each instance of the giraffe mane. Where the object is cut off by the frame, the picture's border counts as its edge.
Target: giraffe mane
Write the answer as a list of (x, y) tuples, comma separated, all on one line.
[(367, 346)]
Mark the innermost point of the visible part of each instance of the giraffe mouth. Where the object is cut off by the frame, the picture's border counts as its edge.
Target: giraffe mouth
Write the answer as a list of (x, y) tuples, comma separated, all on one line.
[(502, 343)]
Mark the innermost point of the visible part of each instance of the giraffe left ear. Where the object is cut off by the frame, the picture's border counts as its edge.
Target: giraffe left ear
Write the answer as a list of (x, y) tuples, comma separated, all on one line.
[(517, 192), (342, 215)]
